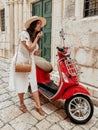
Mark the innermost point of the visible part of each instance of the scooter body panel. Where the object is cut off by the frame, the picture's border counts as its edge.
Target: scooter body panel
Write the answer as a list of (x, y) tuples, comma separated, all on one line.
[(67, 86), (42, 76), (73, 90)]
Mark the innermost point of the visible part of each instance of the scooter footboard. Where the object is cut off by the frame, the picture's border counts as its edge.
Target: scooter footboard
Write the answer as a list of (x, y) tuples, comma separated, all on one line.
[(79, 89)]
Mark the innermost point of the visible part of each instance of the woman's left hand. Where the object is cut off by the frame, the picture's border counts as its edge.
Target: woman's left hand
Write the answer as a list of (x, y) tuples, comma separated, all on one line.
[(37, 52), (39, 35)]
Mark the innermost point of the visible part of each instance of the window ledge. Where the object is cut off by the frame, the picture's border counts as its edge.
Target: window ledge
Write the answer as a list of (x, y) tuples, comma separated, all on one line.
[(89, 18), (3, 32)]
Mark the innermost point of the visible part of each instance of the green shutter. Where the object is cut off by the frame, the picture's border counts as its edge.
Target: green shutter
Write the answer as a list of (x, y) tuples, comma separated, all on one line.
[(44, 8), (37, 9)]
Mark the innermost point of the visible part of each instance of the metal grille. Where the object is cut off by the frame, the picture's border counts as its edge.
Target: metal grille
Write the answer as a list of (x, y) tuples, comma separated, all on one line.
[(90, 8), (2, 18)]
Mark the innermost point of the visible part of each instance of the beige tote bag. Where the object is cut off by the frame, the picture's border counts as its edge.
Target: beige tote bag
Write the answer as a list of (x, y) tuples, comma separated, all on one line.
[(43, 64)]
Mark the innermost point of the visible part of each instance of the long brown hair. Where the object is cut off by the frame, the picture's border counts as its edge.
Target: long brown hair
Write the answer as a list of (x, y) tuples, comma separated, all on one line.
[(31, 31)]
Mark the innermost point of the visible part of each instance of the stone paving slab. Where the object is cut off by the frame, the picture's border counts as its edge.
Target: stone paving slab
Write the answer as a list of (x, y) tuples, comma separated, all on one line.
[(1, 81), (53, 118), (90, 124), (5, 104), (24, 121), (2, 91), (61, 114), (55, 127), (5, 79), (49, 108), (7, 127), (94, 128), (77, 128), (96, 112), (3, 85), (43, 125), (37, 115), (9, 113), (11, 118), (4, 97), (1, 124), (66, 124), (33, 128)]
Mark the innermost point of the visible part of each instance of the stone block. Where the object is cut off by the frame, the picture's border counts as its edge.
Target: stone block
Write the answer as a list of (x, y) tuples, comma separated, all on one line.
[(2, 91), (49, 108), (89, 124), (55, 127), (66, 125), (7, 127), (5, 104), (43, 125), (96, 59), (84, 56), (53, 118), (77, 128), (81, 26), (33, 128), (61, 114), (89, 76), (93, 91), (36, 115), (96, 125), (9, 113), (94, 128), (95, 101), (93, 40), (1, 124), (23, 122), (96, 113), (4, 97)]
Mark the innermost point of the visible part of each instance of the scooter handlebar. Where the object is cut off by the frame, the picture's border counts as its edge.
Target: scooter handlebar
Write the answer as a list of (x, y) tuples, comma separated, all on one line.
[(60, 49)]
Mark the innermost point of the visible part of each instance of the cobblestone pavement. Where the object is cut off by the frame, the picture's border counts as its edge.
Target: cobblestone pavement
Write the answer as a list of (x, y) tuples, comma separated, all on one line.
[(11, 118)]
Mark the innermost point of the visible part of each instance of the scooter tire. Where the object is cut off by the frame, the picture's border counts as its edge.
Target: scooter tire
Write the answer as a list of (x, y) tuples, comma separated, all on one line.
[(68, 104)]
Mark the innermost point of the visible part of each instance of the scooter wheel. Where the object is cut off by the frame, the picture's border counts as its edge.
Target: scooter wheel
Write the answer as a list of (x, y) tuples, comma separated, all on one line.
[(79, 108)]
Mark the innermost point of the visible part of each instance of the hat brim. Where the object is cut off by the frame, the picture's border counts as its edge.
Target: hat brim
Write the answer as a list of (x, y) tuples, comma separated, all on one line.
[(28, 22)]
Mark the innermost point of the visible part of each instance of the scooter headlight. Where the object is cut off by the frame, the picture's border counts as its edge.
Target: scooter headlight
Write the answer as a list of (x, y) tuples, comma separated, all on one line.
[(64, 77)]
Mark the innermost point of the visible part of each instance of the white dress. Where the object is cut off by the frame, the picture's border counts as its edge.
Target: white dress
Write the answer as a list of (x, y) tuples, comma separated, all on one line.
[(19, 81)]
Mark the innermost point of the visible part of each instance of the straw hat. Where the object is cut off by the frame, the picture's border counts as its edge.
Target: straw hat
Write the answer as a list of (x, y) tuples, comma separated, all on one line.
[(34, 18)]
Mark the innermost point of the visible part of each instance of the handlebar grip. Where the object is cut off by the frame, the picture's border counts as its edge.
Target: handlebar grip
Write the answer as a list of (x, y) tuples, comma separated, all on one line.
[(60, 49)]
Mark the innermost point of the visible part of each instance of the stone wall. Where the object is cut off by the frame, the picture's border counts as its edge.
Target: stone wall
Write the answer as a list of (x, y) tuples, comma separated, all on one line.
[(83, 38)]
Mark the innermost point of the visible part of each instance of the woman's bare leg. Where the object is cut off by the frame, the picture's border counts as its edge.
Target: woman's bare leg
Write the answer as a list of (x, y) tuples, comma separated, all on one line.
[(22, 105), (36, 98), (37, 101)]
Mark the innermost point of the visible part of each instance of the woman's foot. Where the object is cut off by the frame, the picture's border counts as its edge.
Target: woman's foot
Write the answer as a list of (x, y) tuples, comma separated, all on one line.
[(23, 108), (40, 110)]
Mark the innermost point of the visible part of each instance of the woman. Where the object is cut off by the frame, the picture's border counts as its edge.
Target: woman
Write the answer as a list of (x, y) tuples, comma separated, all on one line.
[(28, 46)]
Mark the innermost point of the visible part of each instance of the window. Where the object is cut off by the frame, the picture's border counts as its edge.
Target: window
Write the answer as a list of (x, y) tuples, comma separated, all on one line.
[(2, 19), (90, 8)]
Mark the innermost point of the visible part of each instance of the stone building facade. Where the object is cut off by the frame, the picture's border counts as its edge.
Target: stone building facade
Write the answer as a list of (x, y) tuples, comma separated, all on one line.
[(81, 31)]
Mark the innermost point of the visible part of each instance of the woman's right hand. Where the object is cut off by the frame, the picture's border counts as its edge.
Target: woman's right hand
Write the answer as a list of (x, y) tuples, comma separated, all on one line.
[(37, 52), (39, 35)]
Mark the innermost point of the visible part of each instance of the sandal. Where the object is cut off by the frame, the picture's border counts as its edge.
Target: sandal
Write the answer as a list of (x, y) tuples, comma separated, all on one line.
[(40, 111), (23, 108)]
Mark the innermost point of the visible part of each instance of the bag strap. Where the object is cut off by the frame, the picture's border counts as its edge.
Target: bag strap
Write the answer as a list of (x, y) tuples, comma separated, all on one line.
[(30, 61), (17, 50)]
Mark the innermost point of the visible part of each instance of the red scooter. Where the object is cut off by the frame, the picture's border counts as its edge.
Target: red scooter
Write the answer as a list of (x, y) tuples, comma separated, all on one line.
[(78, 105)]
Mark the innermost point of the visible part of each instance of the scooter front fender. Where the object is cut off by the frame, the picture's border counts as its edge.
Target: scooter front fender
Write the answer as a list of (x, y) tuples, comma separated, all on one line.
[(73, 90)]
